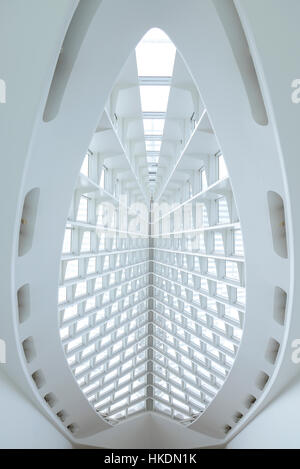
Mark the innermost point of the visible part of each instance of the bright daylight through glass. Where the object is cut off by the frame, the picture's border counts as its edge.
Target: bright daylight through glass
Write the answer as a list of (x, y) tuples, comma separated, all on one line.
[(155, 56), (152, 320)]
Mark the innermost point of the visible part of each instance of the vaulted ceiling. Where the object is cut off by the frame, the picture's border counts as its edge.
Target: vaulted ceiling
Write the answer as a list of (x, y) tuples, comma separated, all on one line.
[(152, 307)]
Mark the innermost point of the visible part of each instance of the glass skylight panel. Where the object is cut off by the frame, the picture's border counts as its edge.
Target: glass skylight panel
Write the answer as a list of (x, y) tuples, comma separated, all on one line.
[(152, 158), (102, 177), (232, 270), (67, 240), (85, 166), (222, 169), (86, 242), (198, 297), (222, 290), (155, 54), (153, 145), (82, 213), (218, 243), (154, 98), (81, 289), (72, 269), (62, 294), (203, 179), (223, 212), (240, 295), (91, 268), (238, 243), (153, 126)]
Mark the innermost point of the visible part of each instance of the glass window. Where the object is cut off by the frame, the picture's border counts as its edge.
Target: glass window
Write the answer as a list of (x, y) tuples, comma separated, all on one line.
[(238, 243), (102, 182), (222, 169), (85, 166), (86, 242), (67, 240), (153, 126), (82, 214), (72, 269), (155, 54), (154, 98), (153, 145), (203, 179), (223, 212)]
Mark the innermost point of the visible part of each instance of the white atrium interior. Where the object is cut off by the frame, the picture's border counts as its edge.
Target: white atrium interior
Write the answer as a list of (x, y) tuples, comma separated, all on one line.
[(150, 184)]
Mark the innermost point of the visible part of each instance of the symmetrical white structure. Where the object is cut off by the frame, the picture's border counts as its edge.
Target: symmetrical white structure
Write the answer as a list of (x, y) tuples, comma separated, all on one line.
[(151, 328), (151, 319)]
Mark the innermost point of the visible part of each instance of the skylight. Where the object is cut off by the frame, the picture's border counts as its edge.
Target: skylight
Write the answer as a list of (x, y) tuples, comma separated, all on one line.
[(153, 145), (155, 56), (154, 126), (152, 322), (152, 158), (154, 98)]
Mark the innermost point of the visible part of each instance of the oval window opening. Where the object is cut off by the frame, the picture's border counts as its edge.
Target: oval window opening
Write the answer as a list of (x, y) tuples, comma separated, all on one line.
[(152, 293)]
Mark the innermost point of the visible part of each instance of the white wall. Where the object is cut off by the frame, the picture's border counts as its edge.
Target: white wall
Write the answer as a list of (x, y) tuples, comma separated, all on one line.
[(22, 426), (277, 426)]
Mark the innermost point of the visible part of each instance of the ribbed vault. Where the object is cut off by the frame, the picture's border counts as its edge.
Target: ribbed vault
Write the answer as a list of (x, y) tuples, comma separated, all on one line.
[(152, 294)]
